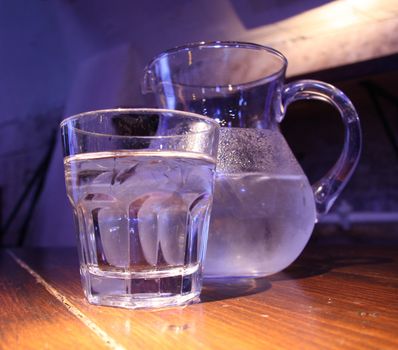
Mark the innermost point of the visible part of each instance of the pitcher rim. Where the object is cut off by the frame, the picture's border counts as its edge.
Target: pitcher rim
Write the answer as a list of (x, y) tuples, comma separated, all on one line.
[(227, 44)]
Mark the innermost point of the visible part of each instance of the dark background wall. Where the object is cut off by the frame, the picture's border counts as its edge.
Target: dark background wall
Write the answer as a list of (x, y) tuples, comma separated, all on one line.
[(66, 56), (315, 133)]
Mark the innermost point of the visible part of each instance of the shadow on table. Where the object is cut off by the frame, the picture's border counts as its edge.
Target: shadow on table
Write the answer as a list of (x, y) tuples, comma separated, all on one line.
[(308, 265), (314, 266), (226, 288)]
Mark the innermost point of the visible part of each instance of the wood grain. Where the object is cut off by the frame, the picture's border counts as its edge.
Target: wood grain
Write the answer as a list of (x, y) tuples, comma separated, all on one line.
[(31, 319), (332, 298)]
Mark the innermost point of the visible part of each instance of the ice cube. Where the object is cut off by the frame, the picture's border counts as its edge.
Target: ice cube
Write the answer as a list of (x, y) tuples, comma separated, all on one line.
[(136, 181), (172, 232), (113, 231), (161, 226)]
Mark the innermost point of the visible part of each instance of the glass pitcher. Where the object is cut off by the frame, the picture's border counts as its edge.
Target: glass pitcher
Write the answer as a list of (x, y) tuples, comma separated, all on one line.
[(264, 208)]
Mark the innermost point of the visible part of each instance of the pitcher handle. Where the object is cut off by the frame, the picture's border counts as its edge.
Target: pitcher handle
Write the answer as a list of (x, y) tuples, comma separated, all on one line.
[(328, 188)]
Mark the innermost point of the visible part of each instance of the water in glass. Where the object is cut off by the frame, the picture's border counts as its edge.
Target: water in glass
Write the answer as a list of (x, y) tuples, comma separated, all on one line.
[(142, 217)]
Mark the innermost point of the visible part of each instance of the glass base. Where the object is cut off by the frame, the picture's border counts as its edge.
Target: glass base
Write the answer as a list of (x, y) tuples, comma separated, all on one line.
[(155, 289)]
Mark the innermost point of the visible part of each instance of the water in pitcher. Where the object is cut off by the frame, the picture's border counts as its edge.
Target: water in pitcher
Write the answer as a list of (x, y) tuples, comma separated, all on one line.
[(263, 212), (142, 218)]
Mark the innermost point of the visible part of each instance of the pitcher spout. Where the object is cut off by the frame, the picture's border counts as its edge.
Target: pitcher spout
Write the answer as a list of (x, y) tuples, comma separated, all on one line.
[(147, 81)]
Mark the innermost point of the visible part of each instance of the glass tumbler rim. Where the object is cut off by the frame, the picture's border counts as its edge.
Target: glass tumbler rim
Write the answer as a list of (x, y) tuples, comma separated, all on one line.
[(77, 116)]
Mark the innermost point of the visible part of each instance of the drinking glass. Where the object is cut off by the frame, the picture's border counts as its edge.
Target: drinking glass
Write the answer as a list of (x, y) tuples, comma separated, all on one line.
[(140, 182)]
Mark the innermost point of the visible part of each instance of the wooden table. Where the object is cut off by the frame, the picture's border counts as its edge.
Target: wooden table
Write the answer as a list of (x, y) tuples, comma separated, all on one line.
[(333, 297)]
